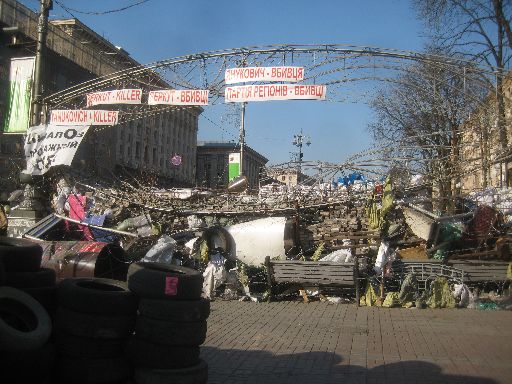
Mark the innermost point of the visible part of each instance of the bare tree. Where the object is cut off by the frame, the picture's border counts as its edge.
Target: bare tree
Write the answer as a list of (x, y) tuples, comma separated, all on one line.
[(422, 112), (479, 30)]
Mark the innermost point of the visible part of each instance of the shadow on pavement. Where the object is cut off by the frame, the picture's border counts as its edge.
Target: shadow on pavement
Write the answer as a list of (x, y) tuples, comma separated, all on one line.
[(234, 366)]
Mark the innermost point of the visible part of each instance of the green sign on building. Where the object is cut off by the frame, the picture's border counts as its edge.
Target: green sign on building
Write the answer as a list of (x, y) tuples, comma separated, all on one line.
[(234, 165)]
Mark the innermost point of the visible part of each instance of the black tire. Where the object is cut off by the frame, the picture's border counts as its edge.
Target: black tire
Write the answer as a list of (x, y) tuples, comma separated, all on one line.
[(46, 296), (197, 374), (94, 326), (164, 281), (22, 367), (168, 333), (2, 273), (45, 277), (24, 323), (68, 345), (92, 371), (20, 255), (150, 355), (182, 311), (97, 296)]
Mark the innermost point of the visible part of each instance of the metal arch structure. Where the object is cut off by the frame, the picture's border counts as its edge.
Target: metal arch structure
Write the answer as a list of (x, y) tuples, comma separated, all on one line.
[(328, 64), (348, 71)]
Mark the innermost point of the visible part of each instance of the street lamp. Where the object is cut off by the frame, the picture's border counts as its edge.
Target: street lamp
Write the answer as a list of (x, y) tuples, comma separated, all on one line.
[(299, 140)]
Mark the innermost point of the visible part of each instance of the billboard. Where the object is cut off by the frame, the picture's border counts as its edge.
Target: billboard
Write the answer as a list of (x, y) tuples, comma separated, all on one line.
[(17, 117)]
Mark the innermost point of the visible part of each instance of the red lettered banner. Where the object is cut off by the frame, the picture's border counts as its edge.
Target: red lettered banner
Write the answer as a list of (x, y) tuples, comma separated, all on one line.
[(241, 75), (266, 92), (83, 117), (118, 96), (179, 97)]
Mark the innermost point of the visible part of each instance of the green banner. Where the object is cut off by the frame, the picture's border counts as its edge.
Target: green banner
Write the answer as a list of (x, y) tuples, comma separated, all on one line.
[(234, 165), (17, 116)]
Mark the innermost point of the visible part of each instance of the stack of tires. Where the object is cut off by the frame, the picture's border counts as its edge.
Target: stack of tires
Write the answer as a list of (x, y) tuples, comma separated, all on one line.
[(94, 320), (26, 355), (22, 264), (171, 324)]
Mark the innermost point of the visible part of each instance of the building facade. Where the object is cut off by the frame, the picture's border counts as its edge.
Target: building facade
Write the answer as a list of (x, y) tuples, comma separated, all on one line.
[(484, 162), (291, 177), (75, 54), (213, 161)]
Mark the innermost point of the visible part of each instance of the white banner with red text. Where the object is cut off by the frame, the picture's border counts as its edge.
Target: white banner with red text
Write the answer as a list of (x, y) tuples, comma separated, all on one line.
[(179, 97), (83, 117), (118, 96), (242, 75), (267, 92), (50, 145)]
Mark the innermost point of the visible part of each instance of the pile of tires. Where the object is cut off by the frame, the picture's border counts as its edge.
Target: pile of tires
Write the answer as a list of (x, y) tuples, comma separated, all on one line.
[(21, 259), (26, 355), (170, 326), (93, 323)]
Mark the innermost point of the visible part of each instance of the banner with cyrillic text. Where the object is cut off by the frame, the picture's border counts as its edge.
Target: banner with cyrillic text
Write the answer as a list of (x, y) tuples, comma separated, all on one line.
[(118, 96), (267, 92), (83, 117), (179, 97), (47, 146), (242, 75)]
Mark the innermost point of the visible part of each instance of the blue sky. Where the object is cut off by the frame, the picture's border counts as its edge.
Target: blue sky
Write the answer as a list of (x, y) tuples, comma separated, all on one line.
[(162, 29)]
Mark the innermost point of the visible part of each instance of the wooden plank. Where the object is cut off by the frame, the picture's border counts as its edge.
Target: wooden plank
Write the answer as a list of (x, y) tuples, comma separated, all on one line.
[(298, 279), (305, 270)]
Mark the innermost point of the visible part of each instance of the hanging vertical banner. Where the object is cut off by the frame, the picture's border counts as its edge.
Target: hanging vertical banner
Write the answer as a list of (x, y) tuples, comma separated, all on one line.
[(118, 96), (242, 75), (19, 95), (46, 146), (234, 165), (179, 97)]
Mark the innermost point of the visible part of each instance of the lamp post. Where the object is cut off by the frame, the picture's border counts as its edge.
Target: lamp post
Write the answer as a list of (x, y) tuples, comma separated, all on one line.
[(42, 29), (299, 140)]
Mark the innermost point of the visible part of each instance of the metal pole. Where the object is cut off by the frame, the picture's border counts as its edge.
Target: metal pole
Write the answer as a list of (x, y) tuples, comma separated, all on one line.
[(242, 139), (42, 29)]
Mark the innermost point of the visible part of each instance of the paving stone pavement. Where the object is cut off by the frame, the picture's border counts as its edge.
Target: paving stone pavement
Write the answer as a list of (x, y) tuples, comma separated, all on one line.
[(316, 343)]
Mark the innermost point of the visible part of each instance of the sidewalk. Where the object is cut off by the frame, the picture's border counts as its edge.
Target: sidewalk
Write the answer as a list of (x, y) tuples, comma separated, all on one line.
[(293, 342)]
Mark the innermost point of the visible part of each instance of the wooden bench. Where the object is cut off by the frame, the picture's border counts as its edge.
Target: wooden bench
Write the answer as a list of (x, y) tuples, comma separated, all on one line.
[(312, 273), (476, 271)]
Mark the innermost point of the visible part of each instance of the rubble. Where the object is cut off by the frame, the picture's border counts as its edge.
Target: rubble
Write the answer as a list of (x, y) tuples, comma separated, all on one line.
[(191, 227)]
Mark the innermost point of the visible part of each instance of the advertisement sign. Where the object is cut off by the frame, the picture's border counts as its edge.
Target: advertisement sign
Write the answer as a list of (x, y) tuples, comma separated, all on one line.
[(46, 146), (267, 92), (83, 117), (19, 95), (234, 166), (242, 75), (179, 97), (118, 96)]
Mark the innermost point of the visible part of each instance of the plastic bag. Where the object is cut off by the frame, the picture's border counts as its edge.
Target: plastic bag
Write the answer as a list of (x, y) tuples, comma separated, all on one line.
[(162, 251), (214, 275)]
